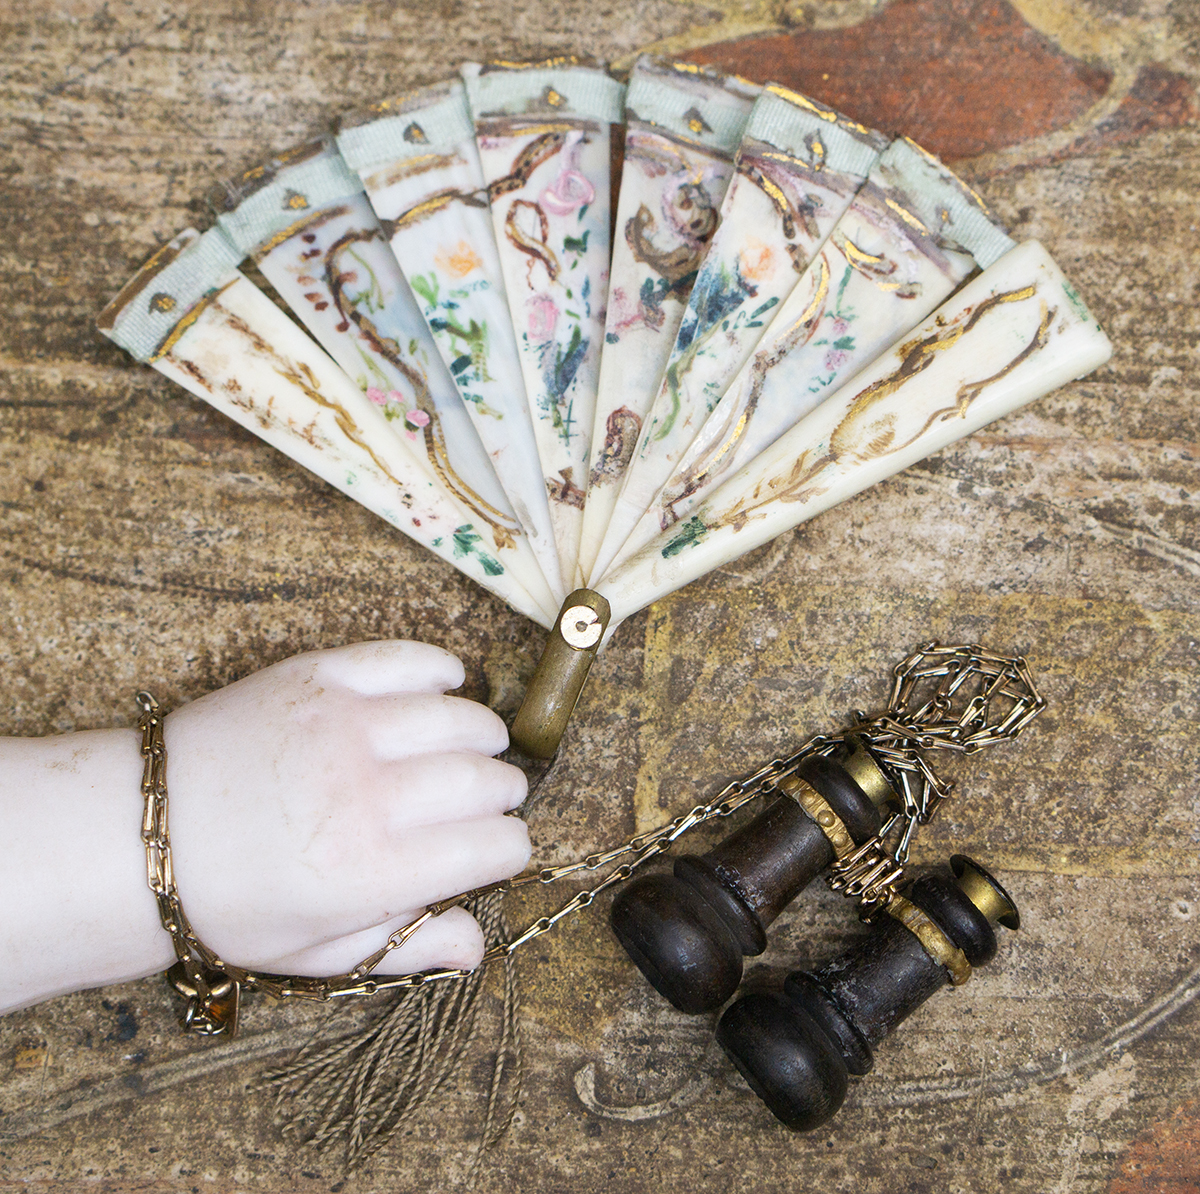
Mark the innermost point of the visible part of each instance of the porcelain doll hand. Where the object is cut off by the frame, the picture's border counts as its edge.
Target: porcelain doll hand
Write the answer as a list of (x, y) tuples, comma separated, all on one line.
[(320, 804)]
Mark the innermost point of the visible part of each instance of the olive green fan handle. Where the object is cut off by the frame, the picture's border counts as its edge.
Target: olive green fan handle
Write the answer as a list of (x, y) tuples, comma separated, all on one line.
[(561, 672)]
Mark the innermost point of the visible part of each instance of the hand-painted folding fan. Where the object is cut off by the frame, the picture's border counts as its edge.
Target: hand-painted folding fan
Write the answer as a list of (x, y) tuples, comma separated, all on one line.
[(793, 308)]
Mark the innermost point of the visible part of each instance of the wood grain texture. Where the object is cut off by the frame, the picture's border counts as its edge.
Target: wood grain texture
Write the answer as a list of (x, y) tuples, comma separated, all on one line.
[(145, 541)]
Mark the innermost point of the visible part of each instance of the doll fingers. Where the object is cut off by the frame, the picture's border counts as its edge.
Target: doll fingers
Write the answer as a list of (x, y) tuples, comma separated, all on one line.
[(440, 861), (452, 940), (446, 787), (390, 666), (400, 727)]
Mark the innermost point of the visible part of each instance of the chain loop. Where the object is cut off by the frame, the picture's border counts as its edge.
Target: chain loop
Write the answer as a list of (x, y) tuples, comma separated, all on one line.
[(959, 699)]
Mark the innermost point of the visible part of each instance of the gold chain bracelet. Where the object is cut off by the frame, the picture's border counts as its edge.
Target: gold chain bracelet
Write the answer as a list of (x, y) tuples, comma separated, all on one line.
[(212, 985)]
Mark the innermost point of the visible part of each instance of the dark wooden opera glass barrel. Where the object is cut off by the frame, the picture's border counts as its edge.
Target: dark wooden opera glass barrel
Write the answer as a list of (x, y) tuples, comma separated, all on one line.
[(689, 931), (797, 1049)]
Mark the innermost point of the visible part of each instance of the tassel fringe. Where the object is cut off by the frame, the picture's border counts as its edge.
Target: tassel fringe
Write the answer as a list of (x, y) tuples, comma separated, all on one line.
[(359, 1092)]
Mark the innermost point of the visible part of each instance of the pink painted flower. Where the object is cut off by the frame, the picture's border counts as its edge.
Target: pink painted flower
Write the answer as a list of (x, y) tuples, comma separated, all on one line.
[(568, 192), (571, 189), (414, 420), (377, 396), (543, 316)]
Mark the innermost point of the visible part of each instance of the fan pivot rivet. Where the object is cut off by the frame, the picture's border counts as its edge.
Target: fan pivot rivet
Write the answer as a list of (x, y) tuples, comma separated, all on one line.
[(581, 627)]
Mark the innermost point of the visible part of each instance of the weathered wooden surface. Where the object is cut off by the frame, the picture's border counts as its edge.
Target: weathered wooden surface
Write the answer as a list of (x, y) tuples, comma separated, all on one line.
[(146, 541)]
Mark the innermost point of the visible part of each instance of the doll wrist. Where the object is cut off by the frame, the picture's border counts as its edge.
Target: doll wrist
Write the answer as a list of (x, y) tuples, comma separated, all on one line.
[(211, 984)]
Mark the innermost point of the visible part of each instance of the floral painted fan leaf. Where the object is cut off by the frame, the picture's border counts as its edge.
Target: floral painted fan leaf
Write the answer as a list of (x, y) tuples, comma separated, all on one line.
[(683, 124), (198, 320), (418, 160), (798, 167), (910, 236), (1016, 332), (545, 137), (312, 233)]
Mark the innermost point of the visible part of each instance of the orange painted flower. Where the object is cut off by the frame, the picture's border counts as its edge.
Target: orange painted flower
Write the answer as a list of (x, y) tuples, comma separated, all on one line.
[(458, 261), (756, 260)]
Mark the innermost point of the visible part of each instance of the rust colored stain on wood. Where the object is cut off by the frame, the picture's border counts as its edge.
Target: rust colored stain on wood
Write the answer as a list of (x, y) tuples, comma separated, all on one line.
[(1165, 1160), (1158, 99), (959, 76)]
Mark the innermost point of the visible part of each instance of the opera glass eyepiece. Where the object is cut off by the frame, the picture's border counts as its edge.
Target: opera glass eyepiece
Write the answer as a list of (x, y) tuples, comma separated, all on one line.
[(797, 1049), (688, 931)]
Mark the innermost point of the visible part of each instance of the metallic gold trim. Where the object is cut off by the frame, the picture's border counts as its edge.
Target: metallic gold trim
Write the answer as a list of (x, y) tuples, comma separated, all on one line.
[(818, 110), (818, 301), (984, 892), (868, 264), (159, 260), (398, 105), (314, 220), (793, 161), (643, 124), (562, 60), (774, 192), (516, 126), (868, 774), (779, 155), (907, 216), (717, 77), (393, 172), (932, 938), (300, 153), (817, 807), (971, 193), (418, 212), (250, 181), (173, 336), (858, 257)]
